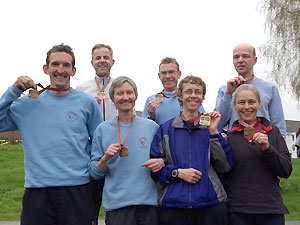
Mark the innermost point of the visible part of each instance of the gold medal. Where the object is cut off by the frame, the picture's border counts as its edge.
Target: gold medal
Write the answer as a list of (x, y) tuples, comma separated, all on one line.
[(205, 120), (33, 94), (101, 94), (123, 151), (249, 132), (159, 97)]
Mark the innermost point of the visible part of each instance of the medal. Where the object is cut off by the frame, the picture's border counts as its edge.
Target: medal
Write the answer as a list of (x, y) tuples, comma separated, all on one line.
[(204, 120), (248, 132), (123, 151), (34, 94), (101, 94), (159, 97)]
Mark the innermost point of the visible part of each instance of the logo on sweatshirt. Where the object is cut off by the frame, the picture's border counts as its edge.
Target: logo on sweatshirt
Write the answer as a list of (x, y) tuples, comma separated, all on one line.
[(143, 142), (71, 116)]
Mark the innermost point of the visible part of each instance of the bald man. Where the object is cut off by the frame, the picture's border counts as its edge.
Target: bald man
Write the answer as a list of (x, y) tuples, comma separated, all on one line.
[(244, 59)]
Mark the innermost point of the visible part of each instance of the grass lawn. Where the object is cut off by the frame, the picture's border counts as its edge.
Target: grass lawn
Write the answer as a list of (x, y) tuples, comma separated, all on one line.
[(11, 182), (12, 186), (290, 189)]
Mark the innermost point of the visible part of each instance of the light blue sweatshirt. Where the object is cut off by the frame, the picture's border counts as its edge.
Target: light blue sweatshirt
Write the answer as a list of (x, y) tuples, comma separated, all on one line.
[(167, 109), (126, 181), (56, 132), (271, 106)]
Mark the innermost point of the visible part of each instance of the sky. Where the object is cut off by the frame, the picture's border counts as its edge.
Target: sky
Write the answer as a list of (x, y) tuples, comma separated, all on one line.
[(199, 34)]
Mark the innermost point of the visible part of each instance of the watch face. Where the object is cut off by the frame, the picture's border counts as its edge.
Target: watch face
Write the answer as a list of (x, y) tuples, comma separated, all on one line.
[(174, 173)]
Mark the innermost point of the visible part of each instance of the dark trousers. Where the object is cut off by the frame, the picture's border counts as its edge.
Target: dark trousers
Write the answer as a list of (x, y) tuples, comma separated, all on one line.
[(210, 215), (58, 205), (97, 189), (255, 219), (133, 215)]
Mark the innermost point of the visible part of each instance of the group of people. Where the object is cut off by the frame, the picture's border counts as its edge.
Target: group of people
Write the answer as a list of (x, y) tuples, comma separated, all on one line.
[(175, 165)]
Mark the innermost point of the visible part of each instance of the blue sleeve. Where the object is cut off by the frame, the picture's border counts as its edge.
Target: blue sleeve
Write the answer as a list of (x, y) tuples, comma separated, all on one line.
[(224, 106), (94, 119), (276, 112), (96, 154), (6, 118), (145, 112), (201, 109), (158, 150)]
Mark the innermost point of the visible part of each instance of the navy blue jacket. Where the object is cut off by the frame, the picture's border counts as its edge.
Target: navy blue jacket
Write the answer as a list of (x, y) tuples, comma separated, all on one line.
[(182, 147)]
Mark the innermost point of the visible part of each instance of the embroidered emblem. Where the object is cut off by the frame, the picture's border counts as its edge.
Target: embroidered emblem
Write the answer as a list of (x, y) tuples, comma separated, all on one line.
[(71, 116), (143, 142)]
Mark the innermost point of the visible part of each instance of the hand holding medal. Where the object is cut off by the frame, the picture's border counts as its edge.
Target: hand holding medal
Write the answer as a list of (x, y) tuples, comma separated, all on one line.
[(112, 150), (34, 94), (262, 141), (151, 108), (24, 83), (215, 118)]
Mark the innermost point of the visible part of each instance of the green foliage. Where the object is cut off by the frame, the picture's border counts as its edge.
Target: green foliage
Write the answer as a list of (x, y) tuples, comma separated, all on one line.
[(282, 50)]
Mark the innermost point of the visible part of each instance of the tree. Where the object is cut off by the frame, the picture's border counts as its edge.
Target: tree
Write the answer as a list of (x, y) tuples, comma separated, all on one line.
[(282, 49)]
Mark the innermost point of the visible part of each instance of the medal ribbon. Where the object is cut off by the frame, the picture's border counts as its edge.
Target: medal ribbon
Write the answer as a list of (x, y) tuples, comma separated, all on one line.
[(243, 123), (250, 78), (246, 125), (50, 88), (119, 132), (162, 93), (259, 127), (195, 120), (104, 86), (192, 120)]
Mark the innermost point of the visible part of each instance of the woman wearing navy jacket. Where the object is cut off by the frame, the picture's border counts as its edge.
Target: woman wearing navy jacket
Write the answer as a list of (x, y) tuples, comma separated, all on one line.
[(193, 151), (260, 157)]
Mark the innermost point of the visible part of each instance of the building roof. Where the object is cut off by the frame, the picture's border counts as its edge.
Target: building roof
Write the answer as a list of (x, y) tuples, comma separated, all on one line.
[(292, 126)]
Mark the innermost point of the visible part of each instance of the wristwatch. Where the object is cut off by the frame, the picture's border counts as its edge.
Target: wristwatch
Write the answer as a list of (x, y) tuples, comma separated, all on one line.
[(175, 173)]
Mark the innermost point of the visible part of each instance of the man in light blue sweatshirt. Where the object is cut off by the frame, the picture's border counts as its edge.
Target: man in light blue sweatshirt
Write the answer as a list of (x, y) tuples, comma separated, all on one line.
[(164, 105), (57, 125), (244, 59)]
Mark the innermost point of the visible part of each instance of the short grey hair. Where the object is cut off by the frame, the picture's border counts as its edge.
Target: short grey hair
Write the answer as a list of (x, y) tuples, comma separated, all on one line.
[(248, 87), (118, 82), (102, 46)]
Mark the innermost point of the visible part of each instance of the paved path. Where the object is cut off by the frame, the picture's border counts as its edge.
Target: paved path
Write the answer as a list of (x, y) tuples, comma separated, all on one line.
[(101, 222)]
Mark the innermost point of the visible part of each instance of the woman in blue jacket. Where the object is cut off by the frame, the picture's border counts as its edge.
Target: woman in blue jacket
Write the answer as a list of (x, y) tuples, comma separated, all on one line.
[(193, 151)]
